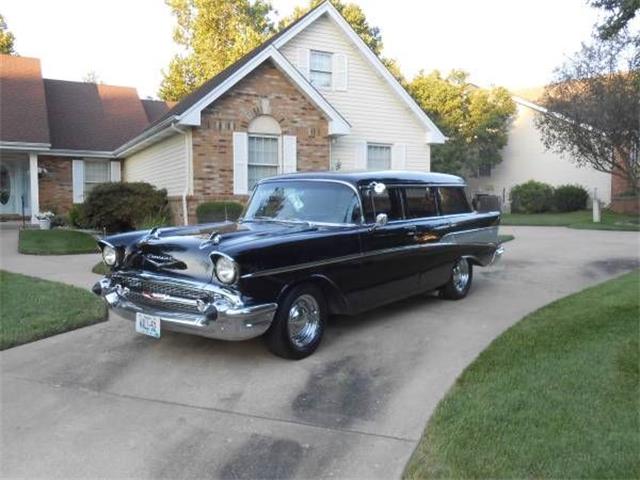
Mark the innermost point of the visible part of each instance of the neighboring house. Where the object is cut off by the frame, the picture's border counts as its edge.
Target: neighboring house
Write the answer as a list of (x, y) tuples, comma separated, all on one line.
[(526, 158), (313, 97), (57, 138)]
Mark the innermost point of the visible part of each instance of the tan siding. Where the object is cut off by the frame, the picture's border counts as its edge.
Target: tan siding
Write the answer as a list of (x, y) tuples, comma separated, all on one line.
[(373, 109), (162, 165), (525, 158)]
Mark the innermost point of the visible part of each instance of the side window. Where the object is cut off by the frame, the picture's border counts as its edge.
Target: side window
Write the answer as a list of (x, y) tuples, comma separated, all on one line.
[(420, 202), (387, 202), (452, 200)]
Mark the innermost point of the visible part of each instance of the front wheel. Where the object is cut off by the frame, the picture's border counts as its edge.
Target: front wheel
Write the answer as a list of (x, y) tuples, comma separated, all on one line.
[(460, 282), (299, 323)]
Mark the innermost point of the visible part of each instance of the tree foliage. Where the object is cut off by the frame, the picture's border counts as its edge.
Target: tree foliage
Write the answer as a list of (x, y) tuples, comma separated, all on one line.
[(620, 13), (7, 39), (593, 108), (476, 120), (214, 34)]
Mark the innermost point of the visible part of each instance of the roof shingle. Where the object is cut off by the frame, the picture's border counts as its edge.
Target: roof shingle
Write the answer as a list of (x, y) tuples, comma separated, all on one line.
[(23, 108)]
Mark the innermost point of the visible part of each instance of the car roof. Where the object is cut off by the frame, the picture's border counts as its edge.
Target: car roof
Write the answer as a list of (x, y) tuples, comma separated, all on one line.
[(388, 177)]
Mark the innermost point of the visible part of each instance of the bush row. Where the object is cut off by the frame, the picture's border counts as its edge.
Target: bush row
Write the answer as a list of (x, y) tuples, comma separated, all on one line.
[(120, 207), (538, 197)]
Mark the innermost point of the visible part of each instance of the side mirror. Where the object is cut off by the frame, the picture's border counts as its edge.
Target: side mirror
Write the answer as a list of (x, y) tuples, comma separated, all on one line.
[(381, 220)]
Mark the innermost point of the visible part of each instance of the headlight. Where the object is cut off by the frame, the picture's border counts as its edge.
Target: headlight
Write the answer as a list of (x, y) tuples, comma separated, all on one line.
[(109, 255), (226, 270)]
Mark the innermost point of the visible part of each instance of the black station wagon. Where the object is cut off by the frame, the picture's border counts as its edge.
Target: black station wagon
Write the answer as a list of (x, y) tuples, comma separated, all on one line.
[(307, 246)]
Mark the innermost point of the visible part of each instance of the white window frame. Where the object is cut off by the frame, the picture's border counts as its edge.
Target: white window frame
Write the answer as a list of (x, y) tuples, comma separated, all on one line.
[(385, 146), (278, 163), (323, 72), (86, 182)]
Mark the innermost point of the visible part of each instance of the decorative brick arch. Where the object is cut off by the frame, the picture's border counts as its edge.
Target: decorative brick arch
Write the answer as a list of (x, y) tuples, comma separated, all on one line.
[(265, 91)]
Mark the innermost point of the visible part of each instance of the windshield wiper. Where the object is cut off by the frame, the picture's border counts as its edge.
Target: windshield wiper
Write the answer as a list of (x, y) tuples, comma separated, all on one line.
[(276, 220)]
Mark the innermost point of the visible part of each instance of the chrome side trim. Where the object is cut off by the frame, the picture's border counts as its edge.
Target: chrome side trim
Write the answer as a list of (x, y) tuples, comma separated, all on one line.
[(476, 235)]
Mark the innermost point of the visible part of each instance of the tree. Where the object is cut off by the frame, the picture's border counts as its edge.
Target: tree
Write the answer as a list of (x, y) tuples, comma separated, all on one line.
[(593, 111), (621, 12), (91, 77), (7, 39), (476, 120), (355, 16), (214, 34)]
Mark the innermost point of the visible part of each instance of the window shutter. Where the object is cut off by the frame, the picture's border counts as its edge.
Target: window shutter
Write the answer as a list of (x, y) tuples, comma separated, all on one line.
[(77, 174), (240, 163), (361, 156), (289, 154), (303, 61), (339, 74), (398, 156), (116, 174)]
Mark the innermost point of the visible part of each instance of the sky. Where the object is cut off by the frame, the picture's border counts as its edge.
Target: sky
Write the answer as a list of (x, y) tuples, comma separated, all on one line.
[(513, 43)]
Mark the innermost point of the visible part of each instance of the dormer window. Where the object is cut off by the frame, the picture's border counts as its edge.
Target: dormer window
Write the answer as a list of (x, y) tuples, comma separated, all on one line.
[(320, 69)]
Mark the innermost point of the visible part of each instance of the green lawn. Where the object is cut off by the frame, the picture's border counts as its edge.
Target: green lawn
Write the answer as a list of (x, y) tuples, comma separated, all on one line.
[(32, 309), (55, 242), (581, 219), (556, 396)]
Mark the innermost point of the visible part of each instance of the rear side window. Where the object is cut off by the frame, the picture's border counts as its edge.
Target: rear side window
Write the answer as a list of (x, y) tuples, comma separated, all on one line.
[(386, 202), (452, 200), (420, 202)]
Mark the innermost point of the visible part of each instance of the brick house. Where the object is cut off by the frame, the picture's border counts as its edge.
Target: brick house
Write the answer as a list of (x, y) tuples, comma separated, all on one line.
[(313, 97)]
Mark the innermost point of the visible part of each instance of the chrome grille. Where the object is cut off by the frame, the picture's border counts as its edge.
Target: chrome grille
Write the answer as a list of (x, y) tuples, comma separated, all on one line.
[(138, 287)]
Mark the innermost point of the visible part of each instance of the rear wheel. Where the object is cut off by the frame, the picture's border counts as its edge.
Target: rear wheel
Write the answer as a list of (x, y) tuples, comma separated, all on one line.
[(299, 323), (460, 282)]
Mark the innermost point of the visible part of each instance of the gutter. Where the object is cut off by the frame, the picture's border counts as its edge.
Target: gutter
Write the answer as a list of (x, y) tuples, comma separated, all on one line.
[(185, 209), (146, 136)]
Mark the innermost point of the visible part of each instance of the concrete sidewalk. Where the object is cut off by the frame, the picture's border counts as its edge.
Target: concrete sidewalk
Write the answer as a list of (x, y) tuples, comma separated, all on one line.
[(105, 402), (71, 269)]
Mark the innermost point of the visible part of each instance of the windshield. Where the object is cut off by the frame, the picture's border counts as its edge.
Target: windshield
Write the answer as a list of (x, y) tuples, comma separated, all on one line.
[(304, 201)]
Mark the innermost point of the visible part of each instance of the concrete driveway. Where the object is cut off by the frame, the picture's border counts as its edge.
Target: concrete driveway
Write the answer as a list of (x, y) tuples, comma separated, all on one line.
[(105, 402)]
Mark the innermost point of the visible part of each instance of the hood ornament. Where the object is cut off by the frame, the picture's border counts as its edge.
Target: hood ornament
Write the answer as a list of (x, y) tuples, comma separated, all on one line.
[(215, 238)]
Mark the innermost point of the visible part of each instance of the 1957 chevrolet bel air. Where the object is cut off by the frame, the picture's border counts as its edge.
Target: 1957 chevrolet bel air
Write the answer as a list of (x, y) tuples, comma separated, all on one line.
[(308, 245)]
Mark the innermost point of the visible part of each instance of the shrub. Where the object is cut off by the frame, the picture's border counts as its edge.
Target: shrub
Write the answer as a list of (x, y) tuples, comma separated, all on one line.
[(77, 218), (531, 197), (120, 207), (215, 211), (569, 198)]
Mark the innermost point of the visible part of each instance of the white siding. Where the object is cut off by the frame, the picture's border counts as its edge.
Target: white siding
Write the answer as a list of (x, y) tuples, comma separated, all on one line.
[(525, 158), (162, 164), (373, 109)]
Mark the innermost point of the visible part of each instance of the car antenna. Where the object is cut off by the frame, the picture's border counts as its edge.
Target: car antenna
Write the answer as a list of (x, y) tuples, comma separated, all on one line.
[(226, 218)]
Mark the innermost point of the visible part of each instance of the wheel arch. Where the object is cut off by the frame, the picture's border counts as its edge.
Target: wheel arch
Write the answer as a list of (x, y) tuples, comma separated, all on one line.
[(335, 299)]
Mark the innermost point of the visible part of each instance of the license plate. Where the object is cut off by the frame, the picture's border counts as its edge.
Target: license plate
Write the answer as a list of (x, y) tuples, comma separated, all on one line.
[(148, 324)]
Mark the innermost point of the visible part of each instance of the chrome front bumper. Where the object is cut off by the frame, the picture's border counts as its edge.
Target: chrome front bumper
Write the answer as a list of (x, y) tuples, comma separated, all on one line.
[(226, 317)]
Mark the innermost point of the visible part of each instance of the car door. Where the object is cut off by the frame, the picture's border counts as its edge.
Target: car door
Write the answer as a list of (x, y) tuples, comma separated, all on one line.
[(421, 209), (386, 267)]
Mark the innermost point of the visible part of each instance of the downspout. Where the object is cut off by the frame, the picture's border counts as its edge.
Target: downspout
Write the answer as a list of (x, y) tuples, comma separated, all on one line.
[(185, 209)]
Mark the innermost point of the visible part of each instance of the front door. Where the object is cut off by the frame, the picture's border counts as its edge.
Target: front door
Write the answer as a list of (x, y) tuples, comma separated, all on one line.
[(13, 185)]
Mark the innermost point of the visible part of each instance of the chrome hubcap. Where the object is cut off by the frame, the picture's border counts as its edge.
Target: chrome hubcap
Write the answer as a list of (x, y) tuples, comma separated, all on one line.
[(304, 320), (461, 274)]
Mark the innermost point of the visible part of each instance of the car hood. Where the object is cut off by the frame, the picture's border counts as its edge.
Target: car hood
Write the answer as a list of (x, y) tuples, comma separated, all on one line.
[(186, 251)]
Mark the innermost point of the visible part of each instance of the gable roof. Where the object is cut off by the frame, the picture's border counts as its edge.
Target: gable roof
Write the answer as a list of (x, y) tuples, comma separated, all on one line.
[(23, 111), (65, 116), (187, 111), (326, 8)]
